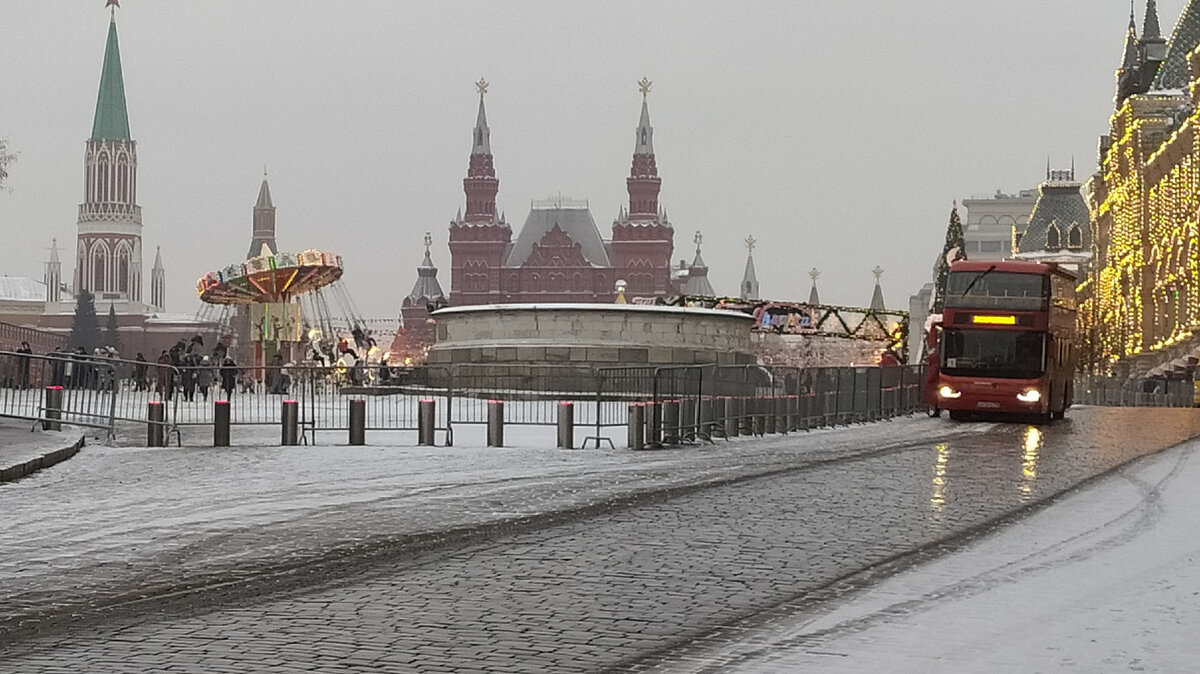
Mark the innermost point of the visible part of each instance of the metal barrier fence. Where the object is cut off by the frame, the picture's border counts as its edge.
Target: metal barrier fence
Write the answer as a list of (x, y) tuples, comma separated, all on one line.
[(82, 390), (1114, 392), (684, 403)]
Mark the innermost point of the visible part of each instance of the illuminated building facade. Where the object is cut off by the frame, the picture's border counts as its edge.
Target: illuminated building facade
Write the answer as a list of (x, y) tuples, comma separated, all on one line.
[(1141, 301)]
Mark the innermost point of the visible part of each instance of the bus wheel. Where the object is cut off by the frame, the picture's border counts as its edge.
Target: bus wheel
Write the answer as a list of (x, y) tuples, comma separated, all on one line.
[(958, 415)]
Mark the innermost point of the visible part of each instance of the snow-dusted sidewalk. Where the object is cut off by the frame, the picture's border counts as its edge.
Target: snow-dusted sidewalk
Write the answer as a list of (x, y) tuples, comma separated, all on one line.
[(20, 447), (1105, 580)]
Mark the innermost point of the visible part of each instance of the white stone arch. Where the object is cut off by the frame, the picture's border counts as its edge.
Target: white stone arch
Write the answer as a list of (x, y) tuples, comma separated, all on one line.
[(101, 261), (122, 178), (123, 268), (103, 176)]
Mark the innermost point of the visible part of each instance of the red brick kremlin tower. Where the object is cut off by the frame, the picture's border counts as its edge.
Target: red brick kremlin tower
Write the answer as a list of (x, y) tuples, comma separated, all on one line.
[(478, 240), (642, 238), (559, 254)]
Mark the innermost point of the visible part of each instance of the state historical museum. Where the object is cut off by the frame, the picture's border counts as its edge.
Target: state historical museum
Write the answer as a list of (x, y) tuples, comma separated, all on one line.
[(559, 255)]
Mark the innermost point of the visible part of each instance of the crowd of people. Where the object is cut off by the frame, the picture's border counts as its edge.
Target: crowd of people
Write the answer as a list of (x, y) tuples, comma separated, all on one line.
[(194, 372)]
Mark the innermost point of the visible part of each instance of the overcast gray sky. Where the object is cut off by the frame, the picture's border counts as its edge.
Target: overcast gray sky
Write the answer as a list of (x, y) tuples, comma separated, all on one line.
[(836, 133)]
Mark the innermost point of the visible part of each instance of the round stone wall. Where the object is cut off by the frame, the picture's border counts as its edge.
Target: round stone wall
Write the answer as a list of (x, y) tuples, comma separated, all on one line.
[(591, 334)]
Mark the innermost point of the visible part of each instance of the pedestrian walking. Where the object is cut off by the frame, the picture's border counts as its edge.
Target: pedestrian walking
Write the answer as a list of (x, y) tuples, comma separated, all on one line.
[(23, 365), (228, 376), (165, 377)]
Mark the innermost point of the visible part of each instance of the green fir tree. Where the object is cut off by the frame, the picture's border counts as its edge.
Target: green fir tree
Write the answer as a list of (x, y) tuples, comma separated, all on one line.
[(953, 250), (111, 336), (85, 327)]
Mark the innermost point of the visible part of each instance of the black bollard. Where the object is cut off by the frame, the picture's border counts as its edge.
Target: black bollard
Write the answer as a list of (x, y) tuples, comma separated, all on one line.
[(732, 417), (566, 426), (426, 420), (156, 431), (290, 421), (221, 423), (652, 420), (670, 427), (495, 423), (637, 426), (358, 422), (54, 405)]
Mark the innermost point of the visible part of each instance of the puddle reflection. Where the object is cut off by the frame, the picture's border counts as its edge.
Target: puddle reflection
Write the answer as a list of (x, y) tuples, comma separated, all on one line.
[(1032, 445), (937, 499)]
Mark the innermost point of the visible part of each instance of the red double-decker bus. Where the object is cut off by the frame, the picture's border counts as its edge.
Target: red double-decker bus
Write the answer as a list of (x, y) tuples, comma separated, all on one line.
[(1008, 340)]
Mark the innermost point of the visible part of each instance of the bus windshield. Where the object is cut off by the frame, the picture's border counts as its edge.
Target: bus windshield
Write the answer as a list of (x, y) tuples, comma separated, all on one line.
[(989, 289), (1005, 354)]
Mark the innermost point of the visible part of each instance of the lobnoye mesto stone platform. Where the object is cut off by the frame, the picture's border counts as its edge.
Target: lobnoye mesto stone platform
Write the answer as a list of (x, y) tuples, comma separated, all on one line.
[(591, 334)]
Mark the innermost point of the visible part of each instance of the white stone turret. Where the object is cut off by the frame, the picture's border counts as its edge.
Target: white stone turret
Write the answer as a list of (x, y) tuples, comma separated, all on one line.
[(158, 282), (53, 277)]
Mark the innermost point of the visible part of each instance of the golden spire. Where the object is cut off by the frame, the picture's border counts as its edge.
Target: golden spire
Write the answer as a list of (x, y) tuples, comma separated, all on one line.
[(644, 87), (482, 86)]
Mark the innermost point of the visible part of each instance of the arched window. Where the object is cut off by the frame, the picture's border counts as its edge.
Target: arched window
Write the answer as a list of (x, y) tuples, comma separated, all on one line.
[(98, 270), (1053, 237), (122, 180), (1075, 237), (123, 271), (102, 178)]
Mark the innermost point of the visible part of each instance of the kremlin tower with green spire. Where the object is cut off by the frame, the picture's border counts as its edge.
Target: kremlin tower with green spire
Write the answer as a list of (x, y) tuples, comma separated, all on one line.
[(109, 250)]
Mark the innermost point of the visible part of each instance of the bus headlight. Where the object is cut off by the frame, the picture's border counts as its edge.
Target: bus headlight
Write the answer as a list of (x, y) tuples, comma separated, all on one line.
[(947, 392), (1031, 396)]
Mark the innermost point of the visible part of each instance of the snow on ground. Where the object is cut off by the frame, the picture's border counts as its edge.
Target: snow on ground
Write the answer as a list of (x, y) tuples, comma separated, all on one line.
[(19, 444), (1105, 580)]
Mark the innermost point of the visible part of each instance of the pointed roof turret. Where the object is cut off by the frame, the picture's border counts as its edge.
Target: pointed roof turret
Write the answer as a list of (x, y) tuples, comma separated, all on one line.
[(264, 194), (644, 142), (813, 297), (54, 251), (480, 185), (112, 119), (1129, 57), (427, 290), (482, 137), (643, 182), (749, 278), (1150, 28), (697, 275), (157, 258), (877, 295), (262, 233)]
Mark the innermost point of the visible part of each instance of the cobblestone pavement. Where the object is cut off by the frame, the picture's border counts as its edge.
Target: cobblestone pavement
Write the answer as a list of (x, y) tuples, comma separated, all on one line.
[(311, 564)]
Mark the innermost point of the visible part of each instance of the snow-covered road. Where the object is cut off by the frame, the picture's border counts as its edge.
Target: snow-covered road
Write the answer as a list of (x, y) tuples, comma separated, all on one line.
[(1105, 580)]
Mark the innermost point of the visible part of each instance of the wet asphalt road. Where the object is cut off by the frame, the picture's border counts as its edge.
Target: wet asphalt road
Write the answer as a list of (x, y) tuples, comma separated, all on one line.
[(647, 553)]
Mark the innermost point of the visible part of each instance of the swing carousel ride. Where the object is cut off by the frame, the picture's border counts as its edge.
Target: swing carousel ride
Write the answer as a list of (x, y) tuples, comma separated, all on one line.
[(275, 307)]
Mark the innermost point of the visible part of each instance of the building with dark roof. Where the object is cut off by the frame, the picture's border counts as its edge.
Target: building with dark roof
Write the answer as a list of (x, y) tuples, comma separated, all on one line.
[(1059, 228), (559, 254)]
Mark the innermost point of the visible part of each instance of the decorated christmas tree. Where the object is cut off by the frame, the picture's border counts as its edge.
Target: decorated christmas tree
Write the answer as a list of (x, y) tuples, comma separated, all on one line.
[(953, 250)]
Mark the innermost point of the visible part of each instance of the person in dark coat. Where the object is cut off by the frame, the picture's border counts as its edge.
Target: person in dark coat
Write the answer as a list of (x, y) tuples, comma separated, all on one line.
[(139, 373), (165, 386), (228, 376)]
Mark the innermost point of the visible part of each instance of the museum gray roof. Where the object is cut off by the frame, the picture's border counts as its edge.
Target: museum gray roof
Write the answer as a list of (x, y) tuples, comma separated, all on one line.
[(573, 218), (1060, 203)]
